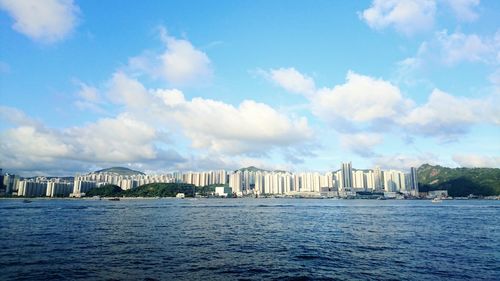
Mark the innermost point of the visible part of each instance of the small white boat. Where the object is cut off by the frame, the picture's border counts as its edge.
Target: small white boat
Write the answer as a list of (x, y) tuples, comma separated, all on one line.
[(436, 200)]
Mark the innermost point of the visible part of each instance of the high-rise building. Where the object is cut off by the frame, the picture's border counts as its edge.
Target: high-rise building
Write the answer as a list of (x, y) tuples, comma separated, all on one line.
[(377, 178), (413, 181), (58, 189), (31, 188), (10, 183), (359, 180), (346, 175)]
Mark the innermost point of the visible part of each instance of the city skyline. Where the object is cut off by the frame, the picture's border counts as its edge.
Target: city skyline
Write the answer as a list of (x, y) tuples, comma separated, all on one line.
[(250, 181), (280, 85)]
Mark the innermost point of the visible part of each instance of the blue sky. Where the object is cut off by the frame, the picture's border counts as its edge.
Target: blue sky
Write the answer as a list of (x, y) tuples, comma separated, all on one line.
[(296, 85)]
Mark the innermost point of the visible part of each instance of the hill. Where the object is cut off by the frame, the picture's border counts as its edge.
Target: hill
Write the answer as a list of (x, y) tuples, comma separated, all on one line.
[(460, 181), (108, 190), (147, 190), (252, 169), (120, 171)]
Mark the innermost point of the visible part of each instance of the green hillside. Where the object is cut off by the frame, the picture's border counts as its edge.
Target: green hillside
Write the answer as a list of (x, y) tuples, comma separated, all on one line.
[(109, 190), (147, 190), (460, 181)]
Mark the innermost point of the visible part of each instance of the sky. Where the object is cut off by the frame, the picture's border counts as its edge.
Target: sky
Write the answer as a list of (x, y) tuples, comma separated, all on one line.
[(293, 85)]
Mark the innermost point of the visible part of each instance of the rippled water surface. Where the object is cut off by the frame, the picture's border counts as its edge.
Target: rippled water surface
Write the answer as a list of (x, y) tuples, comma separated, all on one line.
[(249, 239)]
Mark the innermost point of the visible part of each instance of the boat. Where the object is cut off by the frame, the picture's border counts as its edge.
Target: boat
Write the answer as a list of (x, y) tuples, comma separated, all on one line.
[(27, 201), (436, 200), (114, 199)]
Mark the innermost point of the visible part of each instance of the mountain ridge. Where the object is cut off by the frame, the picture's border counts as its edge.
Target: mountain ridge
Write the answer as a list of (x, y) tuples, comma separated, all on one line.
[(119, 171), (459, 181)]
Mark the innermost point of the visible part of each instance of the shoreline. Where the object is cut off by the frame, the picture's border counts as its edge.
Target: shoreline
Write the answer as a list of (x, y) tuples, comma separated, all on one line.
[(210, 198)]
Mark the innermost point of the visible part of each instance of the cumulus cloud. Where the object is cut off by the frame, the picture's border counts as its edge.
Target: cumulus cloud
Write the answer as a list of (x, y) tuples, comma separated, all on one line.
[(128, 91), (89, 98), (138, 135), (400, 161), (108, 141), (361, 143), (450, 49), (88, 93), (31, 142), (360, 99), (252, 127), (405, 16), (495, 80), (292, 80), (249, 128), (476, 161), (120, 139), (457, 47), (45, 21), (447, 116), (443, 113), (412, 16), (182, 62), (464, 10), (16, 117), (365, 104), (179, 64)]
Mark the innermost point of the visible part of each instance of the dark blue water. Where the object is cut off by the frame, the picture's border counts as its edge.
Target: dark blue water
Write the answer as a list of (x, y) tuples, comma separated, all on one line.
[(249, 239)]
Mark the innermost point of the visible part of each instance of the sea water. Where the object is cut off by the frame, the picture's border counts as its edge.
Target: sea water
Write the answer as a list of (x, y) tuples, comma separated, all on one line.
[(249, 239)]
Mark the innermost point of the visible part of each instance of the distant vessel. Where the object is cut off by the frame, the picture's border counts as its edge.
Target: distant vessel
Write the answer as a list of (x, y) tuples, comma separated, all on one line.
[(114, 199), (180, 195), (436, 200), (27, 201)]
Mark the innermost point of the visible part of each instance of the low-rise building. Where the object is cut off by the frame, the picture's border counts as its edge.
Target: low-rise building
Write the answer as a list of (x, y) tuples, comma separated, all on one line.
[(223, 191)]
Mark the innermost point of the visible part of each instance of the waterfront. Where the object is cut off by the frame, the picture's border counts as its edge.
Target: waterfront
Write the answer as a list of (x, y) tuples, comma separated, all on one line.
[(250, 239)]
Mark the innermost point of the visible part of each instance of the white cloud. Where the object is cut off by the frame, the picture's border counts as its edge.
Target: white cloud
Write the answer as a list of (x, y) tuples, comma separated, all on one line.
[(451, 49), (252, 128), (138, 136), (476, 160), (447, 116), (45, 21), (364, 104), (361, 143), (405, 16), (170, 97), (89, 98), (495, 80), (180, 64), (214, 161), (31, 142), (183, 63), (464, 10), (401, 161), (292, 80), (413, 16), (128, 91), (108, 141), (120, 139), (360, 99), (16, 117), (457, 47), (88, 93)]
